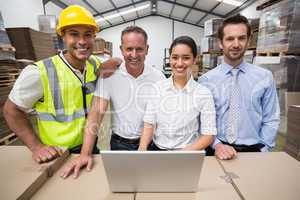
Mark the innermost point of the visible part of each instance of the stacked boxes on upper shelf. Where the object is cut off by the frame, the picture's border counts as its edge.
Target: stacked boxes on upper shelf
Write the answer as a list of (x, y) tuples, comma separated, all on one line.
[(102, 49), (210, 45)]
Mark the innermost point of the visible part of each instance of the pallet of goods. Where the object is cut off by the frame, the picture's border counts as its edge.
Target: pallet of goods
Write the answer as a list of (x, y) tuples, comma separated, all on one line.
[(279, 28), (286, 73)]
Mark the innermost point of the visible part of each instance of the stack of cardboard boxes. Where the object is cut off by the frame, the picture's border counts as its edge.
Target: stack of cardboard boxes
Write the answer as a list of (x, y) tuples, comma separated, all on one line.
[(31, 44), (279, 28), (8, 74)]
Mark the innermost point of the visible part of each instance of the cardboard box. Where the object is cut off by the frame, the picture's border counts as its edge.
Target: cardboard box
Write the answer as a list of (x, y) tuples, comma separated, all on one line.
[(20, 175), (31, 44), (285, 70), (89, 186), (212, 185), (261, 176), (99, 45)]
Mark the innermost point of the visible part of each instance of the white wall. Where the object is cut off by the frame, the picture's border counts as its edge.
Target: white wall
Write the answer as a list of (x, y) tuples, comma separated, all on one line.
[(159, 31), (18, 13)]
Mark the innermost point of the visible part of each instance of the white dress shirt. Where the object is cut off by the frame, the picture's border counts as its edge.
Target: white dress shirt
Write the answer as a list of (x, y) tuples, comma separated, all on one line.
[(128, 96), (177, 114)]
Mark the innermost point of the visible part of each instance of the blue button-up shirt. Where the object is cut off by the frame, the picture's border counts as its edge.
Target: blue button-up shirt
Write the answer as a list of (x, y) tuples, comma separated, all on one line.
[(259, 108)]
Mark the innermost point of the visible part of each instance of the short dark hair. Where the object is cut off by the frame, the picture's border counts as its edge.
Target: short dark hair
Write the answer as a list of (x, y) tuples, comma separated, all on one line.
[(135, 29), (236, 19), (187, 41)]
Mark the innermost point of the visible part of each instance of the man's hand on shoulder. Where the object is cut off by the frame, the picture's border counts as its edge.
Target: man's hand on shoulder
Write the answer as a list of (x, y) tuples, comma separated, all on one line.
[(109, 67)]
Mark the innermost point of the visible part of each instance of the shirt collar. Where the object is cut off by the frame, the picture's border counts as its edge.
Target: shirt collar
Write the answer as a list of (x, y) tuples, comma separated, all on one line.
[(61, 54), (189, 87), (124, 71), (226, 68)]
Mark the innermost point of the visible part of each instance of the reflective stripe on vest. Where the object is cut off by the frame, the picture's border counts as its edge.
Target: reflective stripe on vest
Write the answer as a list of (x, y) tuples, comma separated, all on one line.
[(57, 97)]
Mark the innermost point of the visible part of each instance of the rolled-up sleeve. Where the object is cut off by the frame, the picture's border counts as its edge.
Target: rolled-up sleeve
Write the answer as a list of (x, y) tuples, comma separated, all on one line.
[(28, 88), (102, 89), (150, 113)]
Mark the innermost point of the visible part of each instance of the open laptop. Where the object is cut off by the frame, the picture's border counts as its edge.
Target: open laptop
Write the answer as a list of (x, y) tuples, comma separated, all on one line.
[(153, 171)]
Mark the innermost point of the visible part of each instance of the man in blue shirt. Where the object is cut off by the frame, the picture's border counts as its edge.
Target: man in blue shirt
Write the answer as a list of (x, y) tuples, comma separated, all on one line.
[(245, 96)]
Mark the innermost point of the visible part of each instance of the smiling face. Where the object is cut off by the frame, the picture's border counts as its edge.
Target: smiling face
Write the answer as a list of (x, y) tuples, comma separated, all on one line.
[(79, 42), (134, 49), (234, 43), (181, 61)]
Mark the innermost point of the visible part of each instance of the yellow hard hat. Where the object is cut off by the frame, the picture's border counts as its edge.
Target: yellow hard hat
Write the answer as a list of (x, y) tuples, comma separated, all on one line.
[(75, 15)]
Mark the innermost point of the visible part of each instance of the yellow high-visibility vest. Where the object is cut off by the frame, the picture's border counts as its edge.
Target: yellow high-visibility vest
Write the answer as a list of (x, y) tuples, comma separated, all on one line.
[(62, 112)]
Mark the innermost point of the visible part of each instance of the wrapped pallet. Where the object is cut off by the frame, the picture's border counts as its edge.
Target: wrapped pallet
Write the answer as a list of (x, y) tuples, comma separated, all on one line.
[(286, 72), (285, 69), (279, 28), (31, 44)]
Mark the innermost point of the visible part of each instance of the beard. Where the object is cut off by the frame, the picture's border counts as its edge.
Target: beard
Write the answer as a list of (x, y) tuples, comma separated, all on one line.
[(234, 56)]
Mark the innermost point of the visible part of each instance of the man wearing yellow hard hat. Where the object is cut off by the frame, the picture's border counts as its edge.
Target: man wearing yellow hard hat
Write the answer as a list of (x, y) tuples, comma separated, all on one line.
[(59, 89)]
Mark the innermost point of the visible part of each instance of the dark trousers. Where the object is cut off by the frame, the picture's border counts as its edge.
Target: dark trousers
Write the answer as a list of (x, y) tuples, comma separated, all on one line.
[(77, 149), (154, 147), (118, 143), (238, 147)]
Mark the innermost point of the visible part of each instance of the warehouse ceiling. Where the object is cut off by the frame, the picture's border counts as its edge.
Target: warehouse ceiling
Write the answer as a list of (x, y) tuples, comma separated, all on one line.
[(110, 13)]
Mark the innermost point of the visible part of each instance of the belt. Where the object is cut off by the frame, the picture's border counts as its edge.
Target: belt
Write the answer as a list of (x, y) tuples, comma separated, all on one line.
[(243, 147), (121, 139)]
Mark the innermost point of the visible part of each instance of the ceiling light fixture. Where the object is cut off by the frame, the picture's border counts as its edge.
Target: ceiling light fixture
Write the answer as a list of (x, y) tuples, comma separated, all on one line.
[(122, 13), (232, 2)]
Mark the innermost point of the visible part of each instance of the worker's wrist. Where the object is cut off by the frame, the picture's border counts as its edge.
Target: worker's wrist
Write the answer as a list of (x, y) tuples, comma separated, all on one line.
[(35, 146), (86, 152), (143, 147)]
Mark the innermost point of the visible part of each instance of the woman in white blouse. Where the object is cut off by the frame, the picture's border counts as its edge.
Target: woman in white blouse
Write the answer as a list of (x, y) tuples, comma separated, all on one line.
[(181, 116)]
